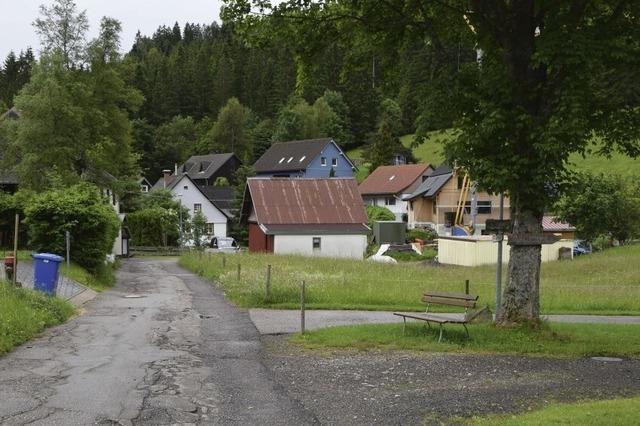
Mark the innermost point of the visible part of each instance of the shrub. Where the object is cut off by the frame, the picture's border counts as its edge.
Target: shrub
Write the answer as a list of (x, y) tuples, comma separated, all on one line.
[(79, 209), (377, 213), (157, 222), (422, 234)]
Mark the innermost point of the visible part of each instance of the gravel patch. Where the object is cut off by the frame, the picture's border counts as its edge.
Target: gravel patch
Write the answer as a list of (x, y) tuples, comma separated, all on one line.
[(399, 387)]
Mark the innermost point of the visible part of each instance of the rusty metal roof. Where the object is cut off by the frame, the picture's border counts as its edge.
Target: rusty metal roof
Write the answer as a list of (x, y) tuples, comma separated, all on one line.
[(393, 179), (283, 201)]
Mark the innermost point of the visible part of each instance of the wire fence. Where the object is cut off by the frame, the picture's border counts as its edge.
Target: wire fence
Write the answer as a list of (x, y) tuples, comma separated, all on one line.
[(66, 288)]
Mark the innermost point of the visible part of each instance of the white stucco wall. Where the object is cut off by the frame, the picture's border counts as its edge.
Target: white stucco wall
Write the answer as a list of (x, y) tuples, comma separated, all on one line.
[(192, 195), (343, 246)]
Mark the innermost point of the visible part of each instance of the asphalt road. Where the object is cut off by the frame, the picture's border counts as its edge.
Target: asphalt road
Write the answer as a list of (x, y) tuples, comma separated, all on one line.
[(162, 347)]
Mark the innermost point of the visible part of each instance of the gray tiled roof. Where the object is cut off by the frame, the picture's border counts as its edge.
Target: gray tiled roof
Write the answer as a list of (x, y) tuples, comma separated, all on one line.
[(433, 183), (290, 156)]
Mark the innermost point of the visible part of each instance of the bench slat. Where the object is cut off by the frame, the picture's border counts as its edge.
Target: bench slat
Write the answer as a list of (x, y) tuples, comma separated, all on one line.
[(462, 296), (449, 301), (433, 318)]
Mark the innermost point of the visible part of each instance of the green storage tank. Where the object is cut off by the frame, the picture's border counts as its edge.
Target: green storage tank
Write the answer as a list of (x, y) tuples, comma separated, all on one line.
[(389, 232)]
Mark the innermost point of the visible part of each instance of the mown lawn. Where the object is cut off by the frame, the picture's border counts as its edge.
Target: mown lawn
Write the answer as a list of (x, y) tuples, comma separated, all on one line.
[(553, 339), (25, 313), (602, 283), (586, 413)]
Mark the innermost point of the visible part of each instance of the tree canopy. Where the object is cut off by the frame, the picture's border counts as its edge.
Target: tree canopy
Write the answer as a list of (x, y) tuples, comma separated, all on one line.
[(548, 77)]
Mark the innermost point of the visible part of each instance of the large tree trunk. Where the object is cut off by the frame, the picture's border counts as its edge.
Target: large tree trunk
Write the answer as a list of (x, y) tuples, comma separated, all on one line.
[(521, 298)]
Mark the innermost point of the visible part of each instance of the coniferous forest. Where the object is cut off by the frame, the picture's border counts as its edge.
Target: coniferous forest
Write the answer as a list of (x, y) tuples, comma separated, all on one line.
[(203, 88)]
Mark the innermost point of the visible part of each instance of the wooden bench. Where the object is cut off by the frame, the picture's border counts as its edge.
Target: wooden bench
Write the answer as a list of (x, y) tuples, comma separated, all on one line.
[(466, 301)]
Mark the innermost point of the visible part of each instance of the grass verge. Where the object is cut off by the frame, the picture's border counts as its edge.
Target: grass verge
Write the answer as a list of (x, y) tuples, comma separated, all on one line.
[(25, 313), (100, 281), (554, 339), (586, 413), (603, 283)]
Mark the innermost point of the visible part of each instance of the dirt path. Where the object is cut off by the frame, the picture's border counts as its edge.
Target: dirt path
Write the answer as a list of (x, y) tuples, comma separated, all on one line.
[(163, 347)]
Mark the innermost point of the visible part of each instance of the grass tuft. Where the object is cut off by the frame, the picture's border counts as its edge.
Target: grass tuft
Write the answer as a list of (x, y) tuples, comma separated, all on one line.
[(555, 339), (585, 413), (25, 313)]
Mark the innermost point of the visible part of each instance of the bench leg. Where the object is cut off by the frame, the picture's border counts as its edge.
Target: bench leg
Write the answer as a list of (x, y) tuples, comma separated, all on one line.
[(440, 338), (465, 329)]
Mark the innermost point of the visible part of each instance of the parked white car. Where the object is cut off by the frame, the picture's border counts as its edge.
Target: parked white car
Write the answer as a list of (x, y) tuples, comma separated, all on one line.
[(222, 245)]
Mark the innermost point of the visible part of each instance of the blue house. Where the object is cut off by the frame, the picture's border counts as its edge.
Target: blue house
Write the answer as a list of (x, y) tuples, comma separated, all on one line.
[(310, 158)]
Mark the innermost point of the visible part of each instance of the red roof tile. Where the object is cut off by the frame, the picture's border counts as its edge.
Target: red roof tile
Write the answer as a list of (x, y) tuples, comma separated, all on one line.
[(392, 179), (306, 201), (549, 225)]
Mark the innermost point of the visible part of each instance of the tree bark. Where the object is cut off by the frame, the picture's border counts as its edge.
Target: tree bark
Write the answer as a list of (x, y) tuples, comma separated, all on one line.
[(521, 297)]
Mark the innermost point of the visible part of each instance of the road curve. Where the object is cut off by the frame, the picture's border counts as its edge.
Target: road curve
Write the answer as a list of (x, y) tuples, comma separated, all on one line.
[(162, 347)]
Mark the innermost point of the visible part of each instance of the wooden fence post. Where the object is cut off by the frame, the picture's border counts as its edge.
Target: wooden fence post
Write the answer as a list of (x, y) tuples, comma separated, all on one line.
[(466, 286), (267, 284), (15, 251), (302, 313)]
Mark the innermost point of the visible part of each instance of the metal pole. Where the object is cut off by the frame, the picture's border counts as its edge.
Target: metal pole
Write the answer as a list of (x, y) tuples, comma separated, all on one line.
[(499, 264), (180, 242), (15, 250), (67, 235), (302, 325), (238, 272), (466, 286)]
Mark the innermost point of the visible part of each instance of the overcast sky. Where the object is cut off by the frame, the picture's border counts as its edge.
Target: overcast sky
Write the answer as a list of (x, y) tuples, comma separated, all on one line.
[(16, 16)]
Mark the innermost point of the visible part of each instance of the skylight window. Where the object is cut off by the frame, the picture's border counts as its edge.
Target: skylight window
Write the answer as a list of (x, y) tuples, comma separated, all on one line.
[(392, 177), (303, 157), (289, 160), (281, 160)]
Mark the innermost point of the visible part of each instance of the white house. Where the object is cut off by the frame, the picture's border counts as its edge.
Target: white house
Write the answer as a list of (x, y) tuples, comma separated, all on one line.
[(191, 196), (311, 217), (387, 186)]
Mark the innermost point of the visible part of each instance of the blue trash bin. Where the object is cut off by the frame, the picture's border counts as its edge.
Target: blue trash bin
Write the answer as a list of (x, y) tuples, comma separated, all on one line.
[(45, 272)]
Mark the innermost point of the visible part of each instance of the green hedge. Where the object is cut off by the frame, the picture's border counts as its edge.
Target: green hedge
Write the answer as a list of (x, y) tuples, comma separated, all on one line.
[(79, 209)]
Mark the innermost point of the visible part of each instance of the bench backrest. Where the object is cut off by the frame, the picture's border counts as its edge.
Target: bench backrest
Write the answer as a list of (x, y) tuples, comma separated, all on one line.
[(452, 299)]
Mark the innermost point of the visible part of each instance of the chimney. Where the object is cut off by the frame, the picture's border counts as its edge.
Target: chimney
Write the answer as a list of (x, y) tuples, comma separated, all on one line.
[(166, 174)]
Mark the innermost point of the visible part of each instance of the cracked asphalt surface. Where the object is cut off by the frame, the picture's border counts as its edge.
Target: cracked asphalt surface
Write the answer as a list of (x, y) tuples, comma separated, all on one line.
[(162, 347), (165, 347)]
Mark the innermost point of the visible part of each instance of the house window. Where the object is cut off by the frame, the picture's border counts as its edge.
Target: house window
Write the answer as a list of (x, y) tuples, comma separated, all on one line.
[(210, 229), (197, 208), (186, 187), (145, 188), (434, 207), (390, 201), (334, 162), (484, 207), (323, 161), (316, 243), (460, 181)]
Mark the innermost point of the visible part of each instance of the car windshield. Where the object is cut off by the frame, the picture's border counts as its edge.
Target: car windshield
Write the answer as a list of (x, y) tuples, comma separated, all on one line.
[(226, 242)]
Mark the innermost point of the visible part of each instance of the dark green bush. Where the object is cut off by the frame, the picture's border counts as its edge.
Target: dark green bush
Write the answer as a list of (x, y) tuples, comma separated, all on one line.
[(79, 209), (422, 234), (376, 213)]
